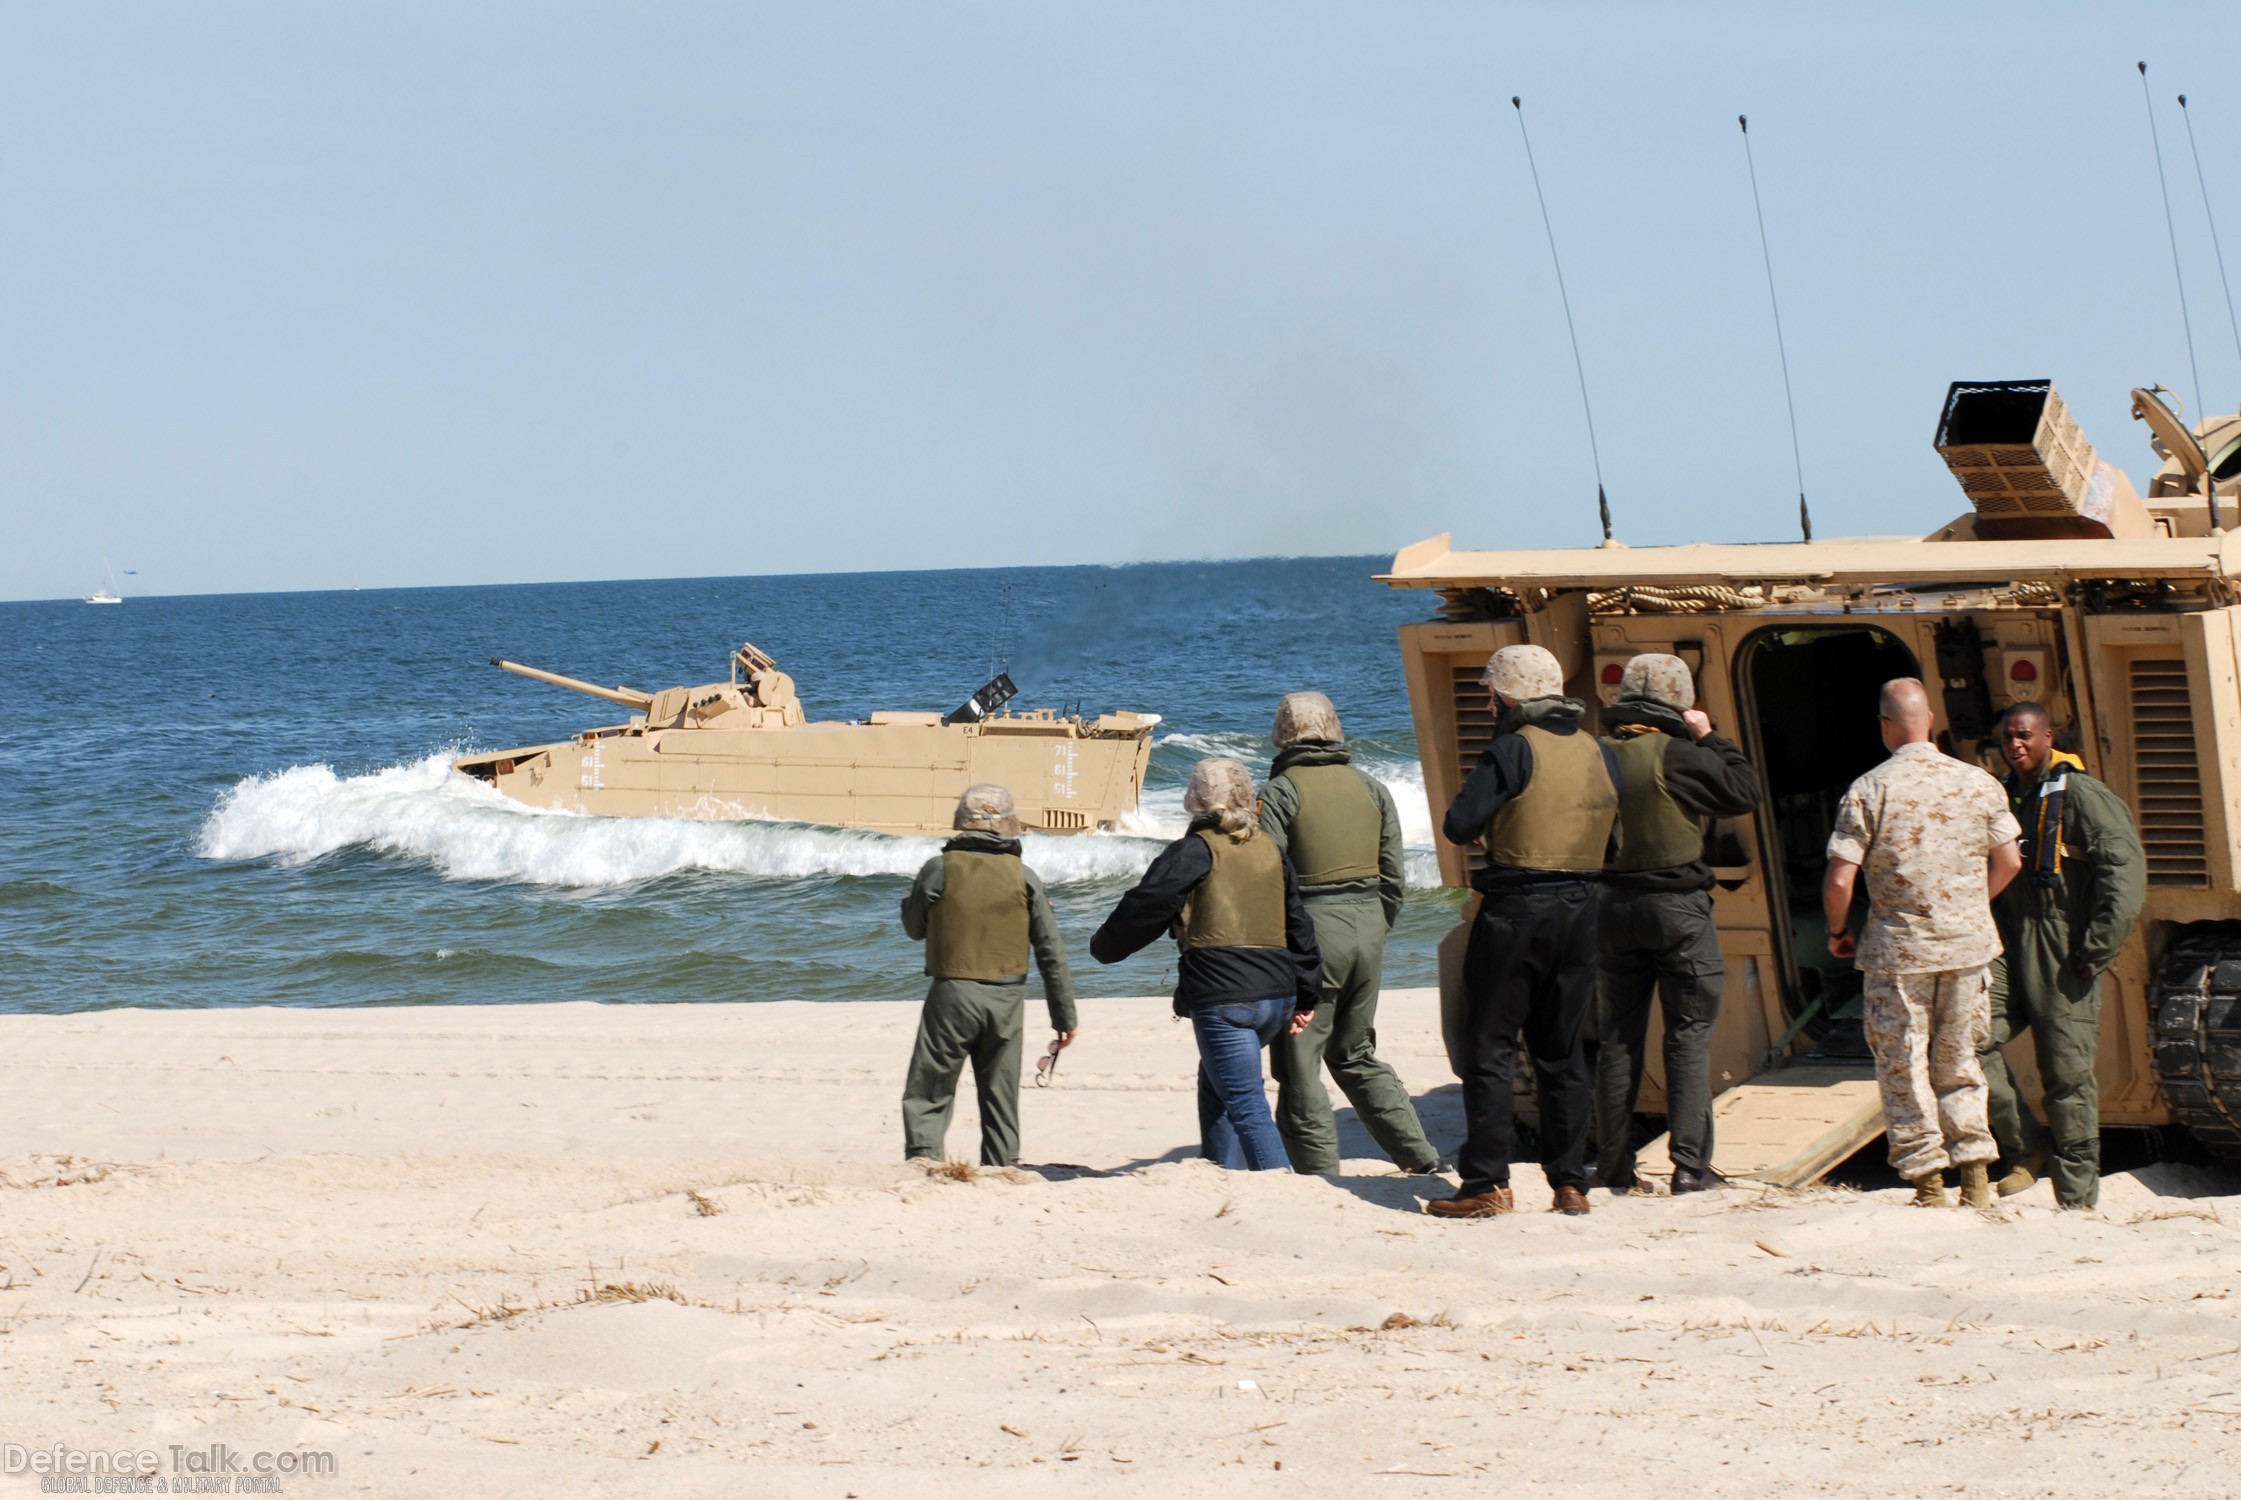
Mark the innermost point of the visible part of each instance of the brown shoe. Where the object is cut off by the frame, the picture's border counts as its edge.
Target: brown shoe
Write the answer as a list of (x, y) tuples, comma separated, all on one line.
[(2023, 1176), (1473, 1205), (1569, 1200)]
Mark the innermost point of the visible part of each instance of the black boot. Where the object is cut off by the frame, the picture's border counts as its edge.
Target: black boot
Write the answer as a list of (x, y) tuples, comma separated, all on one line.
[(1686, 1181)]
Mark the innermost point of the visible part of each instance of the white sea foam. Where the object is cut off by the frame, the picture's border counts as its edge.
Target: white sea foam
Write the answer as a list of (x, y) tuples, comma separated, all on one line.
[(1159, 812), (468, 831), (1405, 780), (465, 830), (1249, 748)]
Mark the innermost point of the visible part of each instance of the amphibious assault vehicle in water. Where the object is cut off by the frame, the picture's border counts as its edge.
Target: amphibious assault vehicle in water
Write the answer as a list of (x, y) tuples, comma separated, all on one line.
[(2063, 585), (745, 749)]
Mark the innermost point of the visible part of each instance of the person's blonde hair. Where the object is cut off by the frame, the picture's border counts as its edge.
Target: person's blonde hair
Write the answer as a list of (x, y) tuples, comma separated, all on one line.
[(1222, 789)]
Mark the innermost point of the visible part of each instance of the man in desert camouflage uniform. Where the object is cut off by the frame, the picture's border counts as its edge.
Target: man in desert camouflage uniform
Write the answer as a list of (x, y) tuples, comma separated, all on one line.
[(1938, 842)]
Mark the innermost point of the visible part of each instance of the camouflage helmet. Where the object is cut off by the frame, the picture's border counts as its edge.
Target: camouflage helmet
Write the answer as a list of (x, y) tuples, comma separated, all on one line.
[(1523, 673), (1222, 789), (1661, 679), (987, 808), (1306, 716)]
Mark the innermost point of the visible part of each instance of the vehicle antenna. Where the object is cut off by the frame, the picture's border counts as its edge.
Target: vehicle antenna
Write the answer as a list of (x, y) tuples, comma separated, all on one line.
[(999, 628), (2171, 229), (2224, 282), (1797, 453), (1602, 502)]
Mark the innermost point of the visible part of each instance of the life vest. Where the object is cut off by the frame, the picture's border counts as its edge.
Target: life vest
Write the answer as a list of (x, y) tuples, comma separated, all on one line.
[(1656, 833), (1335, 835), (1562, 820), (2043, 826), (979, 927), (1240, 903)]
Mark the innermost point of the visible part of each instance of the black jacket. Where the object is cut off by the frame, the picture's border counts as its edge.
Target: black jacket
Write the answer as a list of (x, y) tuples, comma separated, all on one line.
[(1212, 976), (1502, 772), (1706, 778)]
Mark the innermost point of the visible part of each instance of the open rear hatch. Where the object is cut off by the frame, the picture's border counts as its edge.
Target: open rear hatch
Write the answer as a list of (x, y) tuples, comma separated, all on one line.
[(1787, 1127)]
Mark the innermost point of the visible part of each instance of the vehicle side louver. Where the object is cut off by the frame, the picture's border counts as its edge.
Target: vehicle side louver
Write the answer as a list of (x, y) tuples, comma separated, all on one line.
[(2170, 776), (1474, 731)]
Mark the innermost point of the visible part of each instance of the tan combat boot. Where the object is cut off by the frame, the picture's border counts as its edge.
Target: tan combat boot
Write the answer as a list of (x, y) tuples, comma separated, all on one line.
[(1976, 1184), (2024, 1175), (1473, 1205), (1929, 1191)]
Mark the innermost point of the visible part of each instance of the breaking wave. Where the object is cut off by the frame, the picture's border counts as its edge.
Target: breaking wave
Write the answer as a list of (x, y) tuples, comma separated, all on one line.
[(464, 830), (1162, 807), (1406, 783), (1245, 747)]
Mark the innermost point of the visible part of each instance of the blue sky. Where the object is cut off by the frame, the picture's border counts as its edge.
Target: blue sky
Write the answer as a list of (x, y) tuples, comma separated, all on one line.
[(312, 295)]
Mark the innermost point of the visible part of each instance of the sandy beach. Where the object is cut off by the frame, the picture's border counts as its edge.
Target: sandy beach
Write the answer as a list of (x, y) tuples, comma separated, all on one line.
[(669, 1250)]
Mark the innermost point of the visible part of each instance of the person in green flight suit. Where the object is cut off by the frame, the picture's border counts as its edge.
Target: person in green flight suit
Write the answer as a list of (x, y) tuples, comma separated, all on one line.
[(2061, 923), (1343, 834), (981, 913)]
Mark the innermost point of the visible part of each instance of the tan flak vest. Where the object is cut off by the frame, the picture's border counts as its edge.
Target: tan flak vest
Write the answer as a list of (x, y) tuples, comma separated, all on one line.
[(1335, 835), (979, 928), (1658, 834), (1240, 903), (1562, 820)]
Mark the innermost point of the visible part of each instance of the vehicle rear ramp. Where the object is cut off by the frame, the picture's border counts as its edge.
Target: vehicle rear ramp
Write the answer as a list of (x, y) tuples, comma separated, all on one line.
[(1788, 1127)]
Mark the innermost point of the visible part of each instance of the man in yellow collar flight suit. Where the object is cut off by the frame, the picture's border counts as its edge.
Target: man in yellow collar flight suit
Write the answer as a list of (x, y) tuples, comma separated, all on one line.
[(2061, 923)]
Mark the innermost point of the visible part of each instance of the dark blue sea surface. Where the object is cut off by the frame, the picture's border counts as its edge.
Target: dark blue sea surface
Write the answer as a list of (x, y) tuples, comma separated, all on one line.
[(242, 800)]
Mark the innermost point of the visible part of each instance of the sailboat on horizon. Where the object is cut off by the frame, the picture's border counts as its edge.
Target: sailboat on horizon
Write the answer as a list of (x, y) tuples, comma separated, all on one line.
[(107, 593)]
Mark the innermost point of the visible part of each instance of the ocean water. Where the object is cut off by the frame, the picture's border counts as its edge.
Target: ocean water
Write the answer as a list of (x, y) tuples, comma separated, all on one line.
[(240, 800)]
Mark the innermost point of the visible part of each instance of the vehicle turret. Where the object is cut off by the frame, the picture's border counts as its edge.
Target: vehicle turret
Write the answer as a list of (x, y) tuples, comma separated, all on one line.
[(758, 695), (627, 697)]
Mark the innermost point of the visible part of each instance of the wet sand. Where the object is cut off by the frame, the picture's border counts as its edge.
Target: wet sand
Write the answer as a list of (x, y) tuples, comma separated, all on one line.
[(669, 1250)]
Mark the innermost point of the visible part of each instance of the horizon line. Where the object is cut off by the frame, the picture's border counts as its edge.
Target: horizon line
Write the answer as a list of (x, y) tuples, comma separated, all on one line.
[(410, 588)]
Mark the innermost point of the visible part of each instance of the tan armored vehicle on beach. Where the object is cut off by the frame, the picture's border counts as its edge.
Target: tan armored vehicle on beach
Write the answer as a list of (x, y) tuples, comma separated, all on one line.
[(725, 751), (2121, 613)]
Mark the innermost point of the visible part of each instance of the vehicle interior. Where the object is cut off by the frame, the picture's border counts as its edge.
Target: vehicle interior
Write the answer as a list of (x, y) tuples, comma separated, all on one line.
[(1811, 704)]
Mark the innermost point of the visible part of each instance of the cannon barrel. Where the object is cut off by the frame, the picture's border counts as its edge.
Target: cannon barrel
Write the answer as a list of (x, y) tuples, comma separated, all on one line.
[(627, 697)]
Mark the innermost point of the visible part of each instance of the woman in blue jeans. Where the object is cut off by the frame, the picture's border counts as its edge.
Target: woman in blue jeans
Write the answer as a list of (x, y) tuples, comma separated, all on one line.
[(1249, 969)]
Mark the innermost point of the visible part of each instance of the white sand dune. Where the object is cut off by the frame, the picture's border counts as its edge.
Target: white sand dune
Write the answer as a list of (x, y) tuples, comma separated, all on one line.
[(668, 1250)]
